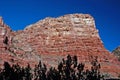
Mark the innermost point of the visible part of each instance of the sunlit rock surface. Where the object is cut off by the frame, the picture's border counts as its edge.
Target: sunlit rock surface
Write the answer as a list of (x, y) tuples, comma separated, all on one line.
[(51, 39)]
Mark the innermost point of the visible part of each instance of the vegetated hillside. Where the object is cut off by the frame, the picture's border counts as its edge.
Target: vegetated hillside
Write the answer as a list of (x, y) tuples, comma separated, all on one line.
[(116, 52), (51, 39)]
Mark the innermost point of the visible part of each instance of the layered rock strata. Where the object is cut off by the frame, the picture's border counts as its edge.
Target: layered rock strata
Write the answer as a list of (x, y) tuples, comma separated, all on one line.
[(51, 39)]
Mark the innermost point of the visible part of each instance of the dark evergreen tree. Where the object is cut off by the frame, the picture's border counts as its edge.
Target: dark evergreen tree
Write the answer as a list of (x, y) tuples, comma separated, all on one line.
[(75, 61), (1, 74), (27, 73), (68, 69), (7, 71)]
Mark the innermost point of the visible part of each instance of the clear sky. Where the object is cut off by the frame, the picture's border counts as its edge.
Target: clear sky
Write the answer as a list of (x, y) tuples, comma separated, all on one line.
[(20, 13)]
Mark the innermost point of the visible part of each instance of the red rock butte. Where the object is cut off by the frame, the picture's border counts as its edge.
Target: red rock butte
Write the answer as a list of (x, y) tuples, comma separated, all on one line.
[(51, 39)]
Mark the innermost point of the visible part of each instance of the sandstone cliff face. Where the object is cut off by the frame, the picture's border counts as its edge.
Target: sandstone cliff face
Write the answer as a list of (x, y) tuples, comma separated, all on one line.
[(51, 39)]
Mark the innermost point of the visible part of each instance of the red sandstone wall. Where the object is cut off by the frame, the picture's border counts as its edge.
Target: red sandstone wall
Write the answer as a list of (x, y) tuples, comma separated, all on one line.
[(51, 39)]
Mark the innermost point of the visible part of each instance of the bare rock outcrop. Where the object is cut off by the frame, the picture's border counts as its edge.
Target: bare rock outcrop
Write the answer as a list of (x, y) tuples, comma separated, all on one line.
[(116, 52), (51, 39)]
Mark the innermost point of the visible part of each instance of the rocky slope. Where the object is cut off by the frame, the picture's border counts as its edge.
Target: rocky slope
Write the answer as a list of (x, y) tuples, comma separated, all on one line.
[(51, 39), (116, 52)]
